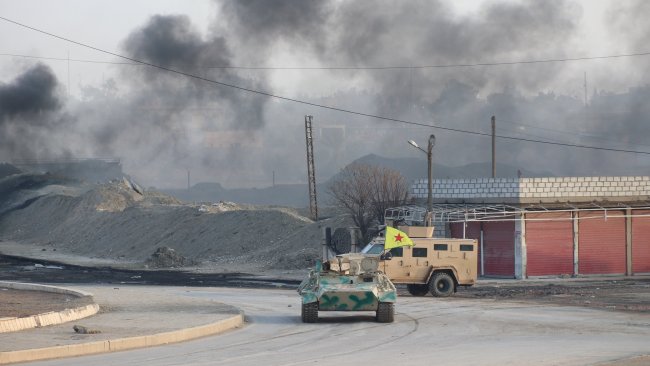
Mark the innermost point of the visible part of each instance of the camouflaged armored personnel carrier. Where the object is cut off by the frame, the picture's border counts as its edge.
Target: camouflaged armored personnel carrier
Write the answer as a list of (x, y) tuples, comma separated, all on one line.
[(349, 282)]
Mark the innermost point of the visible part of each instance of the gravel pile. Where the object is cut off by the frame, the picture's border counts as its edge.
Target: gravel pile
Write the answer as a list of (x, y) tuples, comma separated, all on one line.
[(114, 221)]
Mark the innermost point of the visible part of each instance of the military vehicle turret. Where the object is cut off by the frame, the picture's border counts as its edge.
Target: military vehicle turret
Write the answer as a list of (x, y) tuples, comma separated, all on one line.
[(349, 282)]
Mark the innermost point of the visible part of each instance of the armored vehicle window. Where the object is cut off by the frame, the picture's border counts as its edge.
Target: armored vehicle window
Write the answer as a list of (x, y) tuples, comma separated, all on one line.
[(419, 252), (375, 249), (466, 247), (397, 252), (440, 247)]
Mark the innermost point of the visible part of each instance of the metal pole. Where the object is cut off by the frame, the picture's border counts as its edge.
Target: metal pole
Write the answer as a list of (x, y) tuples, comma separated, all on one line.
[(482, 254), (353, 240), (494, 158), (327, 236), (68, 74), (576, 243), (465, 227), (432, 141), (628, 242)]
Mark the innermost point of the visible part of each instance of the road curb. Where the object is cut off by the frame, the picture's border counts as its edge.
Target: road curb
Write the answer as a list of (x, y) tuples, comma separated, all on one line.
[(13, 324), (122, 344)]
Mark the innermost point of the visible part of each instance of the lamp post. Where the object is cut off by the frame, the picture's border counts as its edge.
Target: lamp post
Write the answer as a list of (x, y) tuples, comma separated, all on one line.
[(429, 152)]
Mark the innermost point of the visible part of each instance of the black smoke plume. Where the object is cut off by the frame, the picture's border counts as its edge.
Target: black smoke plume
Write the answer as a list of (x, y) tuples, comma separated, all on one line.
[(29, 114), (163, 124), (29, 96)]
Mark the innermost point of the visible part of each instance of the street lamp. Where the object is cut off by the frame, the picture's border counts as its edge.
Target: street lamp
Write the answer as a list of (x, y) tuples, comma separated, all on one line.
[(429, 152)]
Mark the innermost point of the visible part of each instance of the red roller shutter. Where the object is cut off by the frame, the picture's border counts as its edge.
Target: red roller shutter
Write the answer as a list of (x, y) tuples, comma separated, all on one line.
[(601, 242), (549, 243), (472, 231), (456, 229), (499, 248), (640, 242)]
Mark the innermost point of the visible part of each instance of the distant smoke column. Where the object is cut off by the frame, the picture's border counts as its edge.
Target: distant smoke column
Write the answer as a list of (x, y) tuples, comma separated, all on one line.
[(29, 115)]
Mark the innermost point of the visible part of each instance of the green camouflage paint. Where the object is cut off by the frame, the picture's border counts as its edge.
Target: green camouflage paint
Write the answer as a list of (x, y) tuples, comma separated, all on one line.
[(343, 291), (362, 303)]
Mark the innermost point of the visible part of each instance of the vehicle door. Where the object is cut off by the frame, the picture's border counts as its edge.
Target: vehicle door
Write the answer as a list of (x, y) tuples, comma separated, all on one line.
[(397, 268)]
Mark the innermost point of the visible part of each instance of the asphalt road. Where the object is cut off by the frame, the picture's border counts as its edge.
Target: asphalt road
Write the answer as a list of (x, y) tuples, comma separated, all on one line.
[(427, 331)]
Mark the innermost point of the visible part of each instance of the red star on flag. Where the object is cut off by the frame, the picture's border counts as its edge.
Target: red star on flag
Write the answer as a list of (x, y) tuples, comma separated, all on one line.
[(398, 237)]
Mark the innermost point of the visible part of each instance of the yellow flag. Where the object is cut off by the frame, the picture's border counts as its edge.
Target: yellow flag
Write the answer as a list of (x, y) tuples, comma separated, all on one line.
[(396, 238)]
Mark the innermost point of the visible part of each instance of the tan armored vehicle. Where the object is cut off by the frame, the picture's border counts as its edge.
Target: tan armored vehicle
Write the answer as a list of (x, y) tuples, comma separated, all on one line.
[(435, 265)]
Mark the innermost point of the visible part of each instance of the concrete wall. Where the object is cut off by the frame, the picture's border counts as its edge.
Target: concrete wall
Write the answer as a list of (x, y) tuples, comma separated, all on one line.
[(587, 188), (526, 190)]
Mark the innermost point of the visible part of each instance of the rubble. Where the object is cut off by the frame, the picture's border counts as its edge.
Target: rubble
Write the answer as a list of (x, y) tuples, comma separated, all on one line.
[(166, 257)]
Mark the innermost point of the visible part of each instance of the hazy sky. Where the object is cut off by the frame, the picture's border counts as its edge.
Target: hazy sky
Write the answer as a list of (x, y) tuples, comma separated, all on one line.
[(162, 125)]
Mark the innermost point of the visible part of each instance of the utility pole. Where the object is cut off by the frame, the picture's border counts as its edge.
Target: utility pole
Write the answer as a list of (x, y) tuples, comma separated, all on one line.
[(68, 74), (432, 142), (429, 152), (494, 155), (585, 89), (311, 170)]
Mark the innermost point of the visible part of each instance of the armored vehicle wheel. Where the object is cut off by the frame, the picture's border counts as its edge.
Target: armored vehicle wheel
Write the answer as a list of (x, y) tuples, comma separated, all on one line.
[(417, 289), (385, 312), (441, 285), (310, 312)]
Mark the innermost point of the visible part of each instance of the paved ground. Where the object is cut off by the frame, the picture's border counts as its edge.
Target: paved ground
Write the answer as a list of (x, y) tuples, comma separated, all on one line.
[(620, 293), (454, 331), (587, 321)]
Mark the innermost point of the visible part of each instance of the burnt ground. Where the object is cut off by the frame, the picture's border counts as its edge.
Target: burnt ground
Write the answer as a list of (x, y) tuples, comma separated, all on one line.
[(15, 303), (620, 294), (629, 294), (28, 270)]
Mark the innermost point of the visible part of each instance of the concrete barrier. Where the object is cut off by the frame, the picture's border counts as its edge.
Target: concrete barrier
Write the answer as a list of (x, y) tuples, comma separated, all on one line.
[(13, 324), (122, 344)]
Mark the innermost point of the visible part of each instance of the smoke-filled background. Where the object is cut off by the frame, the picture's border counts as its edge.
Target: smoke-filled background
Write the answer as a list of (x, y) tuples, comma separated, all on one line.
[(162, 124)]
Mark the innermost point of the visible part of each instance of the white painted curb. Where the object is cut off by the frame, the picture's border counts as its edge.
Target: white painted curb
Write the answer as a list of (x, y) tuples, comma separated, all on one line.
[(122, 344), (14, 324)]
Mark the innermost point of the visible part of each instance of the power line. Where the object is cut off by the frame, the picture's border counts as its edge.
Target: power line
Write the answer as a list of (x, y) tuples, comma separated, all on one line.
[(72, 59), (342, 110), (565, 132), (323, 68), (478, 64), (440, 66)]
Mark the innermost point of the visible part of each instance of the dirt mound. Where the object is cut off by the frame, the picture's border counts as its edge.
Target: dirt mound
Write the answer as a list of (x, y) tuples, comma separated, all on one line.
[(18, 190), (114, 196), (113, 221), (157, 198), (166, 257)]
